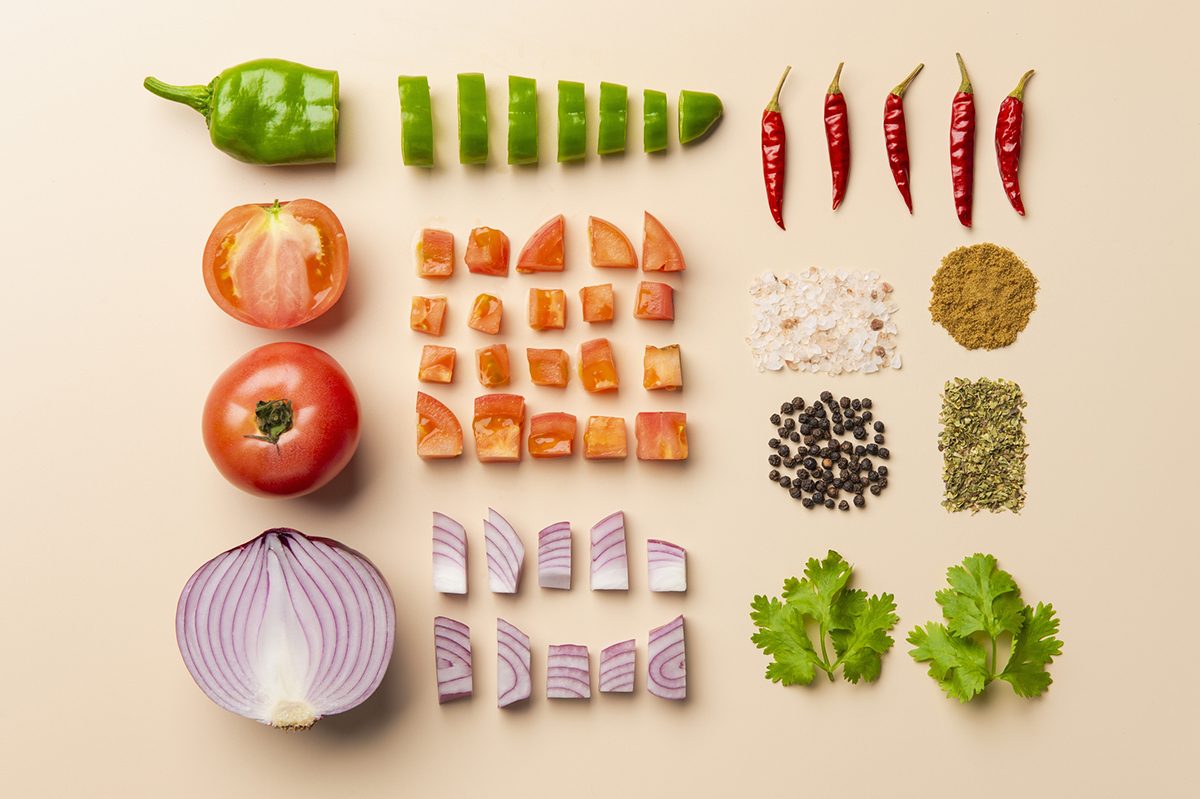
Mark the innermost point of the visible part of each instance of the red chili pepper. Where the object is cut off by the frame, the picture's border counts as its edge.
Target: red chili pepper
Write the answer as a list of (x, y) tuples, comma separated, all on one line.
[(837, 135), (774, 153), (896, 136), (1008, 142), (962, 146)]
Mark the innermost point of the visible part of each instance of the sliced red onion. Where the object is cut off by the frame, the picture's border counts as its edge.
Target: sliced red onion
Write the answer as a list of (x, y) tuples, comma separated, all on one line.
[(610, 568), (554, 556), (286, 629), (568, 672), (512, 665), (667, 565), (452, 647), (449, 555), (668, 666), (505, 554), (616, 667)]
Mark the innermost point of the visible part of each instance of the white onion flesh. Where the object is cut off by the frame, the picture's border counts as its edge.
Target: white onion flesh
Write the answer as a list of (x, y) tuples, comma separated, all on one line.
[(449, 555), (287, 629), (554, 556), (452, 648), (505, 554), (667, 566), (610, 567), (513, 682), (616, 667), (568, 672), (668, 664)]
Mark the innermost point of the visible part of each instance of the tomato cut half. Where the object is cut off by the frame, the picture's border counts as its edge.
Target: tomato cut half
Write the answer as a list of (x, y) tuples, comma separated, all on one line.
[(499, 419), (277, 265), (544, 250), (551, 435), (608, 246), (439, 435), (661, 436), (660, 251), (487, 252)]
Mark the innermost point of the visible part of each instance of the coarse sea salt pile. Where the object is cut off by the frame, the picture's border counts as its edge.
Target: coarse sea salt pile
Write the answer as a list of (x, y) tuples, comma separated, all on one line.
[(823, 322)]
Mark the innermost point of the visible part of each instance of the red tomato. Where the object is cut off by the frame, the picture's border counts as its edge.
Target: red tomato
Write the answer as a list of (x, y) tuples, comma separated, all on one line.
[(547, 309), (439, 435), (551, 435), (544, 250), (661, 436), (435, 253), (277, 265), (604, 439), (499, 419), (654, 301), (597, 369), (597, 303), (608, 246), (487, 252), (660, 252), (282, 420)]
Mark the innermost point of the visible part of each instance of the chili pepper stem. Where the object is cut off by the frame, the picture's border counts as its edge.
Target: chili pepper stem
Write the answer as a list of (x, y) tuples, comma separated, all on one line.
[(833, 87), (198, 97), (1017, 92), (899, 90), (774, 104), (965, 86)]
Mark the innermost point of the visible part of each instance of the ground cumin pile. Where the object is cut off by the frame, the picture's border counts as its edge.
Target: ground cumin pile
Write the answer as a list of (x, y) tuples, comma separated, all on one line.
[(983, 296)]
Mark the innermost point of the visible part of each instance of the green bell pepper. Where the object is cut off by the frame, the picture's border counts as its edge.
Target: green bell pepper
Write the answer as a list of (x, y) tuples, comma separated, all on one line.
[(572, 121), (614, 115), (654, 121), (522, 120), (697, 113), (267, 111), (472, 119), (416, 121)]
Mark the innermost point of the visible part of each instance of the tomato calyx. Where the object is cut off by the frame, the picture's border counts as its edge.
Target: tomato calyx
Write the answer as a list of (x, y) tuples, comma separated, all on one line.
[(272, 418)]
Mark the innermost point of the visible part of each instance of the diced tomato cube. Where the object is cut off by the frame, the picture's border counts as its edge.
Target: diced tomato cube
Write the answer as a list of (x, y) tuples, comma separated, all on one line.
[(499, 419), (485, 314), (439, 435), (551, 435), (660, 252), (661, 436), (604, 439), (654, 301), (544, 250), (487, 252), (548, 367), (608, 246), (428, 315), (547, 309), (597, 302), (661, 368), (437, 364), (491, 364), (597, 369), (435, 253)]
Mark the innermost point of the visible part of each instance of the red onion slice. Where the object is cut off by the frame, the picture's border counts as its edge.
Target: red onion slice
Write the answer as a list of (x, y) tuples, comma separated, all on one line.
[(505, 554), (512, 665), (568, 672), (667, 566), (610, 568), (668, 666), (286, 629), (452, 648), (554, 556), (449, 555), (616, 667)]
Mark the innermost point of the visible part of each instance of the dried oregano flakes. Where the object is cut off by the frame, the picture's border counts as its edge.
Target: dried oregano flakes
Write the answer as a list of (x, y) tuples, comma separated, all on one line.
[(983, 445)]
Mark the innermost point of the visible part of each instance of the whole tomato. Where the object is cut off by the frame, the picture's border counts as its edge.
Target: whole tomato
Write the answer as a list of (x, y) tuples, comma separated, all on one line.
[(277, 265), (282, 421)]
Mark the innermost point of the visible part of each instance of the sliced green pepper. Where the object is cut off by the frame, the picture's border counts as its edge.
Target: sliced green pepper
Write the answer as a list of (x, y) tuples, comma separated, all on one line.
[(472, 119), (614, 114), (654, 121), (416, 121), (697, 113), (268, 111), (572, 121), (522, 120)]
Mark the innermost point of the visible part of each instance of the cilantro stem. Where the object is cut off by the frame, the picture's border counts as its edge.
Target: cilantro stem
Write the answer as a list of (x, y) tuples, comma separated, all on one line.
[(825, 656), (992, 669)]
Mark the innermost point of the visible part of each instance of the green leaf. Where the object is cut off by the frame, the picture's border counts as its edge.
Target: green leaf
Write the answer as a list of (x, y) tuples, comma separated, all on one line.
[(1032, 649), (984, 599), (816, 594), (781, 634), (958, 664), (861, 645)]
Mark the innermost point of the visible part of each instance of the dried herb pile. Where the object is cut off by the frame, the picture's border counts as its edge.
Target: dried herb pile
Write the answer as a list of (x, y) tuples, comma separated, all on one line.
[(983, 295), (983, 445)]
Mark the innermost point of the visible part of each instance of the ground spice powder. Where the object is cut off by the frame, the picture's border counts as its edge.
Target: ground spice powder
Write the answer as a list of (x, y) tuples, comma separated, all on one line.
[(983, 295)]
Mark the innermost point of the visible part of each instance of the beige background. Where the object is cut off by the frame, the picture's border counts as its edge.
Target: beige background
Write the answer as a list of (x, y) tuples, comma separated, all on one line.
[(110, 344)]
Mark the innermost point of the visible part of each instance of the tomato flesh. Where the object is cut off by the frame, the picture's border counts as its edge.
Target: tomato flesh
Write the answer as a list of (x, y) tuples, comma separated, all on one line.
[(655, 301), (437, 364), (661, 436), (551, 435), (439, 435), (547, 309), (548, 367), (604, 439), (608, 246), (544, 250), (491, 363), (499, 419), (597, 369), (660, 251), (487, 252), (435, 254), (428, 315), (485, 314), (661, 368), (597, 302)]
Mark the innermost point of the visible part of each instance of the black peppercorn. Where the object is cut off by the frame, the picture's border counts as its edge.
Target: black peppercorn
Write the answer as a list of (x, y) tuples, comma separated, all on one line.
[(847, 447), (844, 402), (872, 449), (818, 497), (856, 404), (794, 437), (873, 477), (774, 460), (839, 429), (878, 439), (809, 439), (803, 474), (859, 433), (838, 482), (782, 431), (859, 451), (797, 402), (787, 407), (850, 413), (813, 449), (843, 505), (829, 504), (884, 453), (789, 462), (785, 481), (775, 420), (790, 424), (795, 492), (866, 464), (807, 503), (878, 427), (882, 471), (824, 424), (866, 402), (774, 475), (810, 410), (809, 486), (882, 483), (875, 489), (843, 463), (826, 396), (817, 405), (810, 463), (827, 463), (866, 417), (859, 501), (773, 443), (805, 429)]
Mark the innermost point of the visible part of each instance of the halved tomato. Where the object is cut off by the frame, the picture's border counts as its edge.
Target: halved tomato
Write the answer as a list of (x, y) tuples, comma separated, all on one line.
[(608, 246), (437, 364), (597, 369), (544, 250), (277, 265), (487, 252), (548, 367), (499, 419), (439, 435), (597, 302), (551, 435), (435, 253), (661, 369), (661, 436), (604, 439), (491, 364), (547, 309), (428, 315), (654, 301), (660, 251), (485, 314)]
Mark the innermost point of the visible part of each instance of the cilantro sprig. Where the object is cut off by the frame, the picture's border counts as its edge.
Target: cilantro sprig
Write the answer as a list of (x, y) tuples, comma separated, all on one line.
[(855, 623), (982, 604)]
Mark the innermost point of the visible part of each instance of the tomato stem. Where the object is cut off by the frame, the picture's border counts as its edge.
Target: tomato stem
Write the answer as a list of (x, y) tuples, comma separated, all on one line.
[(273, 418)]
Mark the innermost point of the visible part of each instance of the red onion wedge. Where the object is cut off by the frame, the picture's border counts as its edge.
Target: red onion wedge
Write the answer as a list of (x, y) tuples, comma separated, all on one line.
[(616, 667), (286, 629), (449, 555), (668, 666), (554, 556), (667, 566), (610, 568), (568, 672), (505, 554), (452, 647), (512, 665)]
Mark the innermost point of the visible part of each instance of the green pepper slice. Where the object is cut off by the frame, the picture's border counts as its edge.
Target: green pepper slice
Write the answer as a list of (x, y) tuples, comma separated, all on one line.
[(472, 119), (697, 113), (654, 121), (572, 121), (416, 121), (522, 120), (614, 116)]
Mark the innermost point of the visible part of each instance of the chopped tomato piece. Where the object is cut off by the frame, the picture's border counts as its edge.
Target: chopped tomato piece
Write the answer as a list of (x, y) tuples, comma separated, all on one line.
[(609, 246), (499, 419), (439, 435), (604, 439), (428, 315), (485, 314), (544, 250), (551, 435), (661, 436), (654, 301), (661, 368), (547, 309), (435, 253), (437, 364), (597, 369), (487, 252), (660, 252), (491, 363), (548, 367), (597, 302)]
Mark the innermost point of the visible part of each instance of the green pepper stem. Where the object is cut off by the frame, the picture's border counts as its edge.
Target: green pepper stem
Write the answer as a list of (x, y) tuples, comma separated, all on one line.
[(899, 90), (833, 87), (198, 97), (1017, 92), (965, 86), (774, 104)]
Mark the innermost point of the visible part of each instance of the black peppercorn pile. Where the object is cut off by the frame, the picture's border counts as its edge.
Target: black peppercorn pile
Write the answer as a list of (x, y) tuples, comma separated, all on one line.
[(819, 442)]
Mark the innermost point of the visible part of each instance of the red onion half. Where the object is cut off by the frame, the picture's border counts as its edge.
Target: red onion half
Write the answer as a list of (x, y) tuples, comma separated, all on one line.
[(449, 555), (610, 568), (505, 554), (554, 556), (568, 672), (668, 666), (616, 667), (452, 648), (286, 629), (667, 566), (512, 665)]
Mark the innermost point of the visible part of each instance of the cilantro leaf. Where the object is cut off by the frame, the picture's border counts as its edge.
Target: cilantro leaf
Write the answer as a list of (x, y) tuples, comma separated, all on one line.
[(958, 664), (815, 595), (781, 633), (861, 646), (983, 599), (1032, 649)]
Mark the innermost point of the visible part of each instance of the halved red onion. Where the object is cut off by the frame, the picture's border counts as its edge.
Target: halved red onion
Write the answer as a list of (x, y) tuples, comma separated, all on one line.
[(286, 629), (554, 556), (668, 666), (610, 568), (505, 554), (452, 648), (512, 664), (449, 555), (616, 667), (667, 566), (568, 672)]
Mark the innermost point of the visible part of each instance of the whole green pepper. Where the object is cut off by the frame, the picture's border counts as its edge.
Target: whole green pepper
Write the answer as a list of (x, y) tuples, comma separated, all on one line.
[(522, 120), (268, 111), (614, 114), (416, 121), (472, 119), (572, 121), (697, 113), (654, 121)]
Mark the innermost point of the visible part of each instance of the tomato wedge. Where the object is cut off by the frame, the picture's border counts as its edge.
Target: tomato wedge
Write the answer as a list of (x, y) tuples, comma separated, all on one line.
[(544, 250), (608, 246), (660, 251), (439, 435), (277, 265)]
